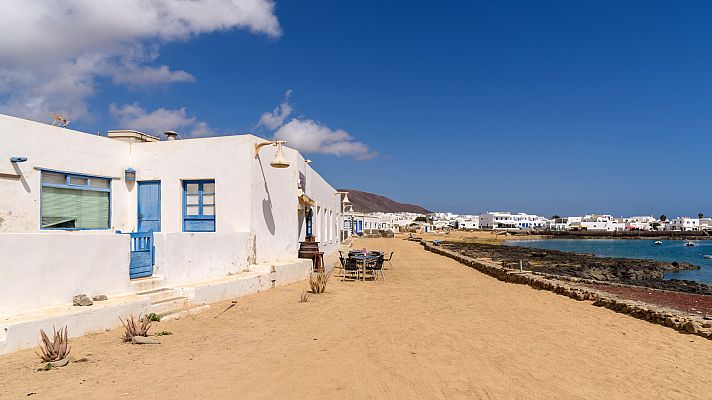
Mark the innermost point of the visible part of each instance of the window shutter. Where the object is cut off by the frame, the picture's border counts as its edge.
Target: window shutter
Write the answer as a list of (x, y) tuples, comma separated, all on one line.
[(93, 209), (59, 208)]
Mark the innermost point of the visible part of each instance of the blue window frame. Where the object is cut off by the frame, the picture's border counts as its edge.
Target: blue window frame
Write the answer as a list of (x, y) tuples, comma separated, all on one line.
[(199, 206), (71, 201)]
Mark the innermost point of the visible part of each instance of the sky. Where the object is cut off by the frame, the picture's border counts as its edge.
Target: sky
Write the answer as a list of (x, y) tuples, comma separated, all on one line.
[(547, 107)]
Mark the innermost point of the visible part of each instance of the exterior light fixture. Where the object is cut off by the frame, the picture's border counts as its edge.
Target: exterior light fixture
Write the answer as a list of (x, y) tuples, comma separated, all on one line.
[(307, 161), (130, 174), (18, 159), (170, 135), (279, 161)]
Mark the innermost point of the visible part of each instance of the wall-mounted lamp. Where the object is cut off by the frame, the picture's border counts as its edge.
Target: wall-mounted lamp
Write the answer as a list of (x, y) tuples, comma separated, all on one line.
[(18, 159), (130, 174), (280, 161), (307, 161), (345, 201)]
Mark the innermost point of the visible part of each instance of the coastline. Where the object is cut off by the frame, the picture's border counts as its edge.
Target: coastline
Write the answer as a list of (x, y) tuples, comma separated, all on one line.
[(686, 312)]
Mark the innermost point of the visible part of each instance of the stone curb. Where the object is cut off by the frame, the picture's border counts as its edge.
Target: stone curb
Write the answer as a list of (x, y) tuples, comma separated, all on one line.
[(657, 315)]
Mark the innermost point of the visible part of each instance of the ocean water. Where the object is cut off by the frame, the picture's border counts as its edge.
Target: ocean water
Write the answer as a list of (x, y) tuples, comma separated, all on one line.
[(670, 250)]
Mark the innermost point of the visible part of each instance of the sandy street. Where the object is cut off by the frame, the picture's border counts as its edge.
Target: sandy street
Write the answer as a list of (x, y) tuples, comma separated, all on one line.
[(434, 329)]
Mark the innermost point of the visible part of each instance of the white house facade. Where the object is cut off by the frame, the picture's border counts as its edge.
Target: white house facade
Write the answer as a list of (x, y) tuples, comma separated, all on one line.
[(88, 214), (683, 224)]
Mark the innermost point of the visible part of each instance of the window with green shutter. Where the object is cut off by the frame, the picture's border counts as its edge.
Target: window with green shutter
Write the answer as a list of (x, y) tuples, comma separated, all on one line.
[(71, 201)]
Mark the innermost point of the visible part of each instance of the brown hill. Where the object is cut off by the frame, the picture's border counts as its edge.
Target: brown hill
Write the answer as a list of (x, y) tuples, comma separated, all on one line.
[(369, 202)]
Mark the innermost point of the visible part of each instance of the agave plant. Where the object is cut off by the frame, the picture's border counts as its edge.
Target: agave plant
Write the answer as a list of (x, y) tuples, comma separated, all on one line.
[(135, 328), (318, 280), (54, 350)]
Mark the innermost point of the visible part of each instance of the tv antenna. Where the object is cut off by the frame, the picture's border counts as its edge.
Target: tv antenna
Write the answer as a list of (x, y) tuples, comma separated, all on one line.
[(59, 120)]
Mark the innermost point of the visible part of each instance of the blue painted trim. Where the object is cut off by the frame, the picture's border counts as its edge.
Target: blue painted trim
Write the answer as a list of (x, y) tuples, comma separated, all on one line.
[(192, 220), (75, 187), (77, 174)]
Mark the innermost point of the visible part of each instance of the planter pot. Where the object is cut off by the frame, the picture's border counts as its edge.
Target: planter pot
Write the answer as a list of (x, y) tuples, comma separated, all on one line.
[(59, 363)]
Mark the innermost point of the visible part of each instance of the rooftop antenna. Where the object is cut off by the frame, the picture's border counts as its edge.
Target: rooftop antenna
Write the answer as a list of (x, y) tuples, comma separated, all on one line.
[(59, 120)]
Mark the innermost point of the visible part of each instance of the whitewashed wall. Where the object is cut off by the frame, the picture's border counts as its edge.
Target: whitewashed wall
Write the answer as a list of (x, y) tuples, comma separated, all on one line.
[(40, 270), (194, 256), (257, 212), (60, 149)]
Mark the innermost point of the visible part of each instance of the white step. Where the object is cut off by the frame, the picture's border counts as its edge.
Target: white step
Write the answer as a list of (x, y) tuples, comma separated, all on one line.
[(157, 295), (167, 306), (146, 284)]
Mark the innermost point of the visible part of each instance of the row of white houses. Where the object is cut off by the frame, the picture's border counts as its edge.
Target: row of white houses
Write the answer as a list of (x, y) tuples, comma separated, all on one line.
[(502, 220)]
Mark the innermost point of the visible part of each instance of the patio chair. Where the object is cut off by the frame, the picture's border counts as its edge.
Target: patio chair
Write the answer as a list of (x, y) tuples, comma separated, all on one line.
[(351, 267), (375, 267), (390, 257)]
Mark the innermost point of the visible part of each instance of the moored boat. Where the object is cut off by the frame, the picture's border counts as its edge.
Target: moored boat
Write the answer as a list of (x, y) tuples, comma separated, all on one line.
[(658, 242)]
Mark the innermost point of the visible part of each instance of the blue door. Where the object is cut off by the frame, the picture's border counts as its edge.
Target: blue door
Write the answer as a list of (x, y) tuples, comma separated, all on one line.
[(149, 206)]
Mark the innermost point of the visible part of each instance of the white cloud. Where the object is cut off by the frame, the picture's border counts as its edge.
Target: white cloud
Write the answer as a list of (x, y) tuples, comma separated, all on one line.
[(53, 51), (137, 75), (201, 129), (275, 119), (309, 136), (133, 116)]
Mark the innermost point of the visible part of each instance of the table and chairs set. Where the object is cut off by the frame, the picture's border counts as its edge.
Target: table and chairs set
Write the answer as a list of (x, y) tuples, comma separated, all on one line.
[(363, 263)]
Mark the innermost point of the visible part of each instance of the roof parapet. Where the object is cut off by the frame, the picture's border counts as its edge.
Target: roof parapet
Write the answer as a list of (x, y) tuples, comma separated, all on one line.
[(131, 136)]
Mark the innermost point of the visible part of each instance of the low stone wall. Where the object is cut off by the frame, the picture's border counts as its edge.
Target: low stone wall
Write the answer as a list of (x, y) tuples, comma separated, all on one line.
[(570, 287)]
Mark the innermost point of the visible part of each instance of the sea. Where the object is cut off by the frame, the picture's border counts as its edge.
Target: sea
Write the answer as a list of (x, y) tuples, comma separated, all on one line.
[(669, 250)]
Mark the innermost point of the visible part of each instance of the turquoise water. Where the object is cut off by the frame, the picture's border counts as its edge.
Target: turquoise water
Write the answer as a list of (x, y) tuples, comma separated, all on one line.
[(670, 250)]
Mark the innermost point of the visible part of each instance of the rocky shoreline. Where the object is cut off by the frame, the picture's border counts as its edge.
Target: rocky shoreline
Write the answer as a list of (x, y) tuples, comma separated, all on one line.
[(635, 272), (678, 310)]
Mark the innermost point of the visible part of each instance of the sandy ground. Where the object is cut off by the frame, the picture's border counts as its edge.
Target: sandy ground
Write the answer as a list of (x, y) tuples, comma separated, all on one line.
[(434, 329)]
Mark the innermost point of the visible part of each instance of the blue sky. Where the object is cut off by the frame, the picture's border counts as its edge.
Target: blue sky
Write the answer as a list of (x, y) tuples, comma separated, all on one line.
[(546, 107)]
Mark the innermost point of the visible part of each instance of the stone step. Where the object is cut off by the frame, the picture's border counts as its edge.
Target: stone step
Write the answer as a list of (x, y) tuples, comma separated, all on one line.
[(157, 295), (146, 284), (165, 306)]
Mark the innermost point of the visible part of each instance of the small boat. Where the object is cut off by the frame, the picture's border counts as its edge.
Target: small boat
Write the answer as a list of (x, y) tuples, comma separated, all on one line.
[(707, 256), (658, 242), (690, 243)]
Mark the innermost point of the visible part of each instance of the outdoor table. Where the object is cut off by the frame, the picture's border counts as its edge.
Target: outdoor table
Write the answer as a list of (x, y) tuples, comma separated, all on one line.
[(364, 259)]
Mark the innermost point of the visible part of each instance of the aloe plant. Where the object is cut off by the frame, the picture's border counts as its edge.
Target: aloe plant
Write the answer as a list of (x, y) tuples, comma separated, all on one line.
[(54, 350)]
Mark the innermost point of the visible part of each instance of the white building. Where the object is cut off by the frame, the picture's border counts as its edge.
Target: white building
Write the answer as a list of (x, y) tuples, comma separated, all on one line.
[(705, 223), (601, 223), (208, 219), (683, 224), (469, 222), (501, 220)]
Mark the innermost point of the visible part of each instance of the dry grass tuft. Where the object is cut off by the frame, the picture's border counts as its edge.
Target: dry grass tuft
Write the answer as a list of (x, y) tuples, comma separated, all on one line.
[(318, 280), (54, 350), (135, 328), (304, 297)]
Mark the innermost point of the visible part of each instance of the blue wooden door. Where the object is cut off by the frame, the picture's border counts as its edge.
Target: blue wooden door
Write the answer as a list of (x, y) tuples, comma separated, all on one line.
[(141, 255), (149, 206)]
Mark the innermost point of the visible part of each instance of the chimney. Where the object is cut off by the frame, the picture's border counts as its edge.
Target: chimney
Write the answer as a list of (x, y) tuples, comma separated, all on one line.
[(170, 135)]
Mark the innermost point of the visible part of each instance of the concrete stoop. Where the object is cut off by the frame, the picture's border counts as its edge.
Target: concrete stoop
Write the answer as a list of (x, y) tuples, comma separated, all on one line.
[(21, 331)]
